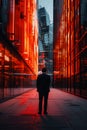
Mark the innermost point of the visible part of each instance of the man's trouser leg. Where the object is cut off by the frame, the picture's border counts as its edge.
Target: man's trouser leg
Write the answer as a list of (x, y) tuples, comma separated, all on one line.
[(40, 102), (45, 102)]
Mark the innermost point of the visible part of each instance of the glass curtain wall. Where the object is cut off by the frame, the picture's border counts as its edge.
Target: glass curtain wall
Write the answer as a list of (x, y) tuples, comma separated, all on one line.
[(70, 51), (18, 46)]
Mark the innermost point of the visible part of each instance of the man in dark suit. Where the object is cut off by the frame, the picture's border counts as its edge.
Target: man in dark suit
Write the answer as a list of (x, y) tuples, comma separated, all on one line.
[(43, 88)]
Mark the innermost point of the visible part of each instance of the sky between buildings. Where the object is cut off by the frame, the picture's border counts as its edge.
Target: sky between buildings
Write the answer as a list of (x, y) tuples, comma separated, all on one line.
[(48, 4)]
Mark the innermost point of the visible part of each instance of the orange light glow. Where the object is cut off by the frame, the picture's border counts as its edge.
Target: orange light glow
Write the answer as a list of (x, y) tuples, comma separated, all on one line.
[(27, 32), (0, 54), (6, 58)]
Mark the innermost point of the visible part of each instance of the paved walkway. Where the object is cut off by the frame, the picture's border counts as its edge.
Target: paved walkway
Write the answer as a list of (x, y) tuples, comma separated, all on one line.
[(65, 112)]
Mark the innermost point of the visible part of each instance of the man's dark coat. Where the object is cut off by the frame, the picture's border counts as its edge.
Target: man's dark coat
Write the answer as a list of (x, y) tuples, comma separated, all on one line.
[(43, 83)]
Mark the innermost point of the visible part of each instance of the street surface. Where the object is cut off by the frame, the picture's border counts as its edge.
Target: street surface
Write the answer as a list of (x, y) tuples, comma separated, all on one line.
[(65, 112)]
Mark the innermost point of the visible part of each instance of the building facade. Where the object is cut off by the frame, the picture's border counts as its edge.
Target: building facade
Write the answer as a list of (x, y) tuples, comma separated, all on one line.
[(70, 51), (18, 45)]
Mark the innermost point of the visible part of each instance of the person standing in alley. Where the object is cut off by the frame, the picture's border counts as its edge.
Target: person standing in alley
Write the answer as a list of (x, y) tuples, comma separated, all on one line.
[(43, 88)]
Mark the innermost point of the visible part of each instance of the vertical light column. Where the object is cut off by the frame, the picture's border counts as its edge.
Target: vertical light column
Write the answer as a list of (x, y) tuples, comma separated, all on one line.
[(25, 26), (26, 29)]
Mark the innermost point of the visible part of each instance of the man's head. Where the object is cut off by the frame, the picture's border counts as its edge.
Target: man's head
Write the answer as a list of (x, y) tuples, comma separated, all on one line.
[(44, 70)]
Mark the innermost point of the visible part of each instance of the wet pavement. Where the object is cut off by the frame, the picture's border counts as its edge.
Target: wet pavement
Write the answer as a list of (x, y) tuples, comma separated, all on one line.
[(65, 112)]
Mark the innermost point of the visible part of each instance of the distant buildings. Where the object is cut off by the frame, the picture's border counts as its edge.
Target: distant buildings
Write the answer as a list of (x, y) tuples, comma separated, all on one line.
[(45, 40)]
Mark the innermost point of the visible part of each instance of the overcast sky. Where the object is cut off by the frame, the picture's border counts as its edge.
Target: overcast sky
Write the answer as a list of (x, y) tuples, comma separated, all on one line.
[(48, 4)]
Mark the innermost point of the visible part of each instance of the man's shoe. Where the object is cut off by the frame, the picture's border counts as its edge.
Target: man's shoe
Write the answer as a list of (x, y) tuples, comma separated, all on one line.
[(39, 112), (45, 113)]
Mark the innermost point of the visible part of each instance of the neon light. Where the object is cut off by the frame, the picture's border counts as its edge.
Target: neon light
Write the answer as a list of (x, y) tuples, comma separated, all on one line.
[(6, 58)]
